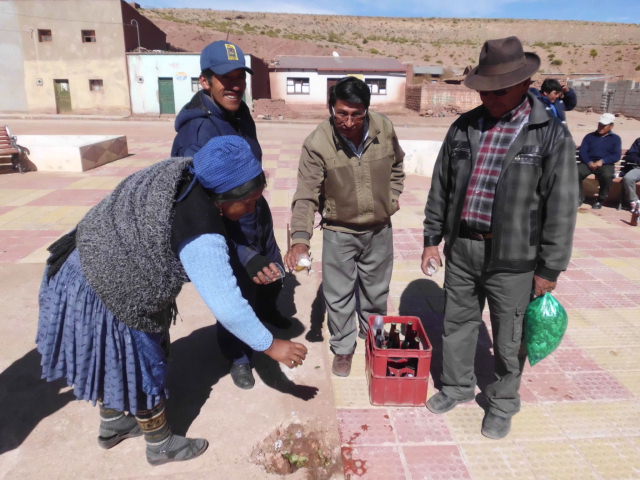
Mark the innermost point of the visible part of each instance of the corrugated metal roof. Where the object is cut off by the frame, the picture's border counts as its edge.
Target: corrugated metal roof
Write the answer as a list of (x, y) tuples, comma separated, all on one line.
[(428, 70), (347, 64)]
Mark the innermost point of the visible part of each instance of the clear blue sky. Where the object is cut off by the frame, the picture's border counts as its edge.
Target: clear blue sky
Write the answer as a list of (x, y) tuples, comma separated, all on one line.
[(625, 11)]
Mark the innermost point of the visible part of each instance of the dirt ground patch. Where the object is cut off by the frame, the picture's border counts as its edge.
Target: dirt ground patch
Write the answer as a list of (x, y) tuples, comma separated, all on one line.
[(298, 447)]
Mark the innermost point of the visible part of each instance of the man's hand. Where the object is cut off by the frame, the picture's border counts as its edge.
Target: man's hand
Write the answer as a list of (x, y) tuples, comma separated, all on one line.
[(292, 257), (542, 285), (427, 253), (268, 274), (592, 166), (287, 352)]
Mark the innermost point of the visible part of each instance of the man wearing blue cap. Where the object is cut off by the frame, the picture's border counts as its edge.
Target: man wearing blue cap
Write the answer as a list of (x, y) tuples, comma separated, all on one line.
[(218, 109)]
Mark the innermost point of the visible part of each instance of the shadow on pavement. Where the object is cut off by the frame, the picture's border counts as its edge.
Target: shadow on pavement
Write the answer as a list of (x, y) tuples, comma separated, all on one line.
[(196, 365), (318, 309), (269, 370), (425, 299), (26, 399)]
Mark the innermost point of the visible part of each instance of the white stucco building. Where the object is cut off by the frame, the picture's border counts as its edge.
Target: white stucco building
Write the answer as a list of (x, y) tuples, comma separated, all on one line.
[(162, 83), (306, 79)]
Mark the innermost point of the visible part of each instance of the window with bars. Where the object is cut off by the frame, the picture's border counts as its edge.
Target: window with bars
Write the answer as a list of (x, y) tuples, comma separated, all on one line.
[(44, 35), (95, 85), (378, 86), (88, 36), (298, 86)]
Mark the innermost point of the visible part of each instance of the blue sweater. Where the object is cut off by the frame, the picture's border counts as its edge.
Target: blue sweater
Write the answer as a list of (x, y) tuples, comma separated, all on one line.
[(206, 260), (595, 147)]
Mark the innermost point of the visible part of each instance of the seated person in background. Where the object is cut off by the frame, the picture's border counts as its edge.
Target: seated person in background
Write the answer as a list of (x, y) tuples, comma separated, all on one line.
[(631, 175), (556, 97), (599, 151)]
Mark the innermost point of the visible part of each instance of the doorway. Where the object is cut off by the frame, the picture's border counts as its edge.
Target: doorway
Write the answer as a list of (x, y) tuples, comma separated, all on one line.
[(63, 95), (165, 94)]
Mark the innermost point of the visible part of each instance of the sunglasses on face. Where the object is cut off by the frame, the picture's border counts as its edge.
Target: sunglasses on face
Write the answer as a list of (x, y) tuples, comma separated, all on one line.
[(498, 93)]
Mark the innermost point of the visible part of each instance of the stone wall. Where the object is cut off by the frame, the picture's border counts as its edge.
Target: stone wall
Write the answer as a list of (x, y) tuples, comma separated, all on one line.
[(438, 99), (621, 97)]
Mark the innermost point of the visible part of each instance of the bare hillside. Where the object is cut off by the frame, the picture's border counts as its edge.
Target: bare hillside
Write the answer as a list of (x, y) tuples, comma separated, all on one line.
[(565, 47)]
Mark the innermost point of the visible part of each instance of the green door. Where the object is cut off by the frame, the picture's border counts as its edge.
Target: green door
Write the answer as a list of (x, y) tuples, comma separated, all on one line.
[(63, 95), (165, 91)]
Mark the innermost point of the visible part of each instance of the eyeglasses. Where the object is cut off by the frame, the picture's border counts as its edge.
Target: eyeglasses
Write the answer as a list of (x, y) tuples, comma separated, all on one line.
[(498, 93), (344, 116)]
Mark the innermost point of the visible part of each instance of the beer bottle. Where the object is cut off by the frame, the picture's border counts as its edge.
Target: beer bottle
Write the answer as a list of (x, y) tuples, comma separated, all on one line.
[(394, 337), (410, 342)]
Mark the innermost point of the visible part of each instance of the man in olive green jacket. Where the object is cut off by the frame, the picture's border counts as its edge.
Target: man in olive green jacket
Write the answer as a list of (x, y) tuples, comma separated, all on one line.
[(350, 171)]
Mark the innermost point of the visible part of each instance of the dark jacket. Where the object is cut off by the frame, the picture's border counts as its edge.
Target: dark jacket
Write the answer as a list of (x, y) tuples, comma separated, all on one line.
[(198, 122), (632, 157), (202, 119), (562, 105), (534, 210), (597, 147)]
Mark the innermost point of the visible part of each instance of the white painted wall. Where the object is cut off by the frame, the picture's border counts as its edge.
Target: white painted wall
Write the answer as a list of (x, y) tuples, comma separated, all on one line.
[(420, 156), (318, 87), (180, 67)]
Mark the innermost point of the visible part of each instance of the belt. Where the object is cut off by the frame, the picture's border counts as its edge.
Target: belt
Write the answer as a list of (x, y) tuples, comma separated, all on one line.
[(466, 232)]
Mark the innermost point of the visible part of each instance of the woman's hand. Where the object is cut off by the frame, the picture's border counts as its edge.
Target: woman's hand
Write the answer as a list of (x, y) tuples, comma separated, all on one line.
[(268, 274), (287, 352)]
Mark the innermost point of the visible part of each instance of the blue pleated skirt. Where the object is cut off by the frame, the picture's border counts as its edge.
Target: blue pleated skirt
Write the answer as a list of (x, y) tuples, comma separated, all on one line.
[(98, 355)]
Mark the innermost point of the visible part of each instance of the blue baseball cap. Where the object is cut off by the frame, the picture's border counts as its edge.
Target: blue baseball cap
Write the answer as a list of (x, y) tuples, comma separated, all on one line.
[(223, 57)]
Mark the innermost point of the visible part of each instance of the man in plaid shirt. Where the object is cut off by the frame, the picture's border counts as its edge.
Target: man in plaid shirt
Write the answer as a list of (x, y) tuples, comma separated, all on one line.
[(503, 197)]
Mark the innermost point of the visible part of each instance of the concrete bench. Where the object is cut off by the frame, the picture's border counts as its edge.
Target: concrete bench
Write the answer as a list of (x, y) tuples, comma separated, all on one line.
[(74, 153), (591, 186)]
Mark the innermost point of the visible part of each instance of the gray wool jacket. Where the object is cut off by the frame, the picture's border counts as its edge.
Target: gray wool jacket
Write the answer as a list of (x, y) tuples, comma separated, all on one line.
[(535, 205), (125, 247)]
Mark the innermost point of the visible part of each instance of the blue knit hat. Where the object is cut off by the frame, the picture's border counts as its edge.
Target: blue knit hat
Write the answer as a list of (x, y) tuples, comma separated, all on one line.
[(225, 163)]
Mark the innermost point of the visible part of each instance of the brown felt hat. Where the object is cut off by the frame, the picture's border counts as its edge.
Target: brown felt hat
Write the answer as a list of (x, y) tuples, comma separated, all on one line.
[(502, 64)]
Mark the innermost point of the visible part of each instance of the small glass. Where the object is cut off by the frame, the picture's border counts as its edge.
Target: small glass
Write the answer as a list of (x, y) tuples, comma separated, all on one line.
[(432, 266)]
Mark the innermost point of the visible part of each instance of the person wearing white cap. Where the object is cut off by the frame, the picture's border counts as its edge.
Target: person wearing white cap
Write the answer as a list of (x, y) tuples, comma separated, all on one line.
[(599, 152)]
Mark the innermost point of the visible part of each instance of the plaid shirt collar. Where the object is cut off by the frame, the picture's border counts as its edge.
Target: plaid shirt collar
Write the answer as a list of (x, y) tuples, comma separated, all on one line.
[(496, 138)]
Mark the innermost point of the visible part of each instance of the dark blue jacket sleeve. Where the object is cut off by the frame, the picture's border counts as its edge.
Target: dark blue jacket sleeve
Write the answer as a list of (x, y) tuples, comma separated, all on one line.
[(570, 100), (633, 154), (614, 152), (585, 149)]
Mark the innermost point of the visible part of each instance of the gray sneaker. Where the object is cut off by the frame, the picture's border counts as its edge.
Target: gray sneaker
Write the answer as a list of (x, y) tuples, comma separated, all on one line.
[(441, 403), (112, 433), (495, 427), (176, 449)]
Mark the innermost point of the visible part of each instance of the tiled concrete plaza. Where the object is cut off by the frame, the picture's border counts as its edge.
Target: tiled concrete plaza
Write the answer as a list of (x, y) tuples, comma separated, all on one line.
[(580, 417)]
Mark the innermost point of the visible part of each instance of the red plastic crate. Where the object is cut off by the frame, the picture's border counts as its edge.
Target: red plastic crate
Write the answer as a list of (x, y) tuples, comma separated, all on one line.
[(387, 390)]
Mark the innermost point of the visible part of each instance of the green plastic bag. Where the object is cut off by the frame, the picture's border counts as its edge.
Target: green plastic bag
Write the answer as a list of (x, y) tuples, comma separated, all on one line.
[(545, 323)]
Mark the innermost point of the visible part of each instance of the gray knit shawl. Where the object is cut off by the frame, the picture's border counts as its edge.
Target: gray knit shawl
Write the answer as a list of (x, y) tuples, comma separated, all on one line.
[(125, 247)]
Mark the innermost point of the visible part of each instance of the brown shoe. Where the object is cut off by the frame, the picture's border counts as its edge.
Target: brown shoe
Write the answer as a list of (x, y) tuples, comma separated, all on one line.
[(342, 365)]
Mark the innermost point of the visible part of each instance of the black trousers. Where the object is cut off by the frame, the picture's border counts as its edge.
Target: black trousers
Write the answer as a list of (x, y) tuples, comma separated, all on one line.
[(604, 175)]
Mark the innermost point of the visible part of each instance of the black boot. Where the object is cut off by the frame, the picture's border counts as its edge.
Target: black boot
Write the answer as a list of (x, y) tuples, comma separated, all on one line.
[(115, 426), (162, 445)]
